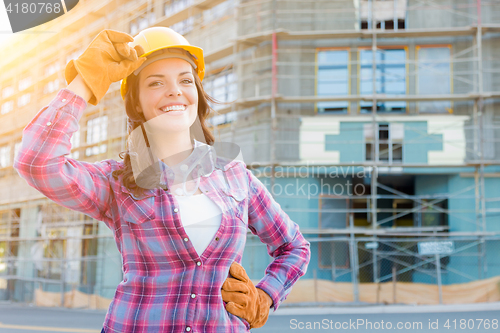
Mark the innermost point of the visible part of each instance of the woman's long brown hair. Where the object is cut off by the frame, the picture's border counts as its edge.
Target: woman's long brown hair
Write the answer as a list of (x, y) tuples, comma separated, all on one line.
[(135, 119)]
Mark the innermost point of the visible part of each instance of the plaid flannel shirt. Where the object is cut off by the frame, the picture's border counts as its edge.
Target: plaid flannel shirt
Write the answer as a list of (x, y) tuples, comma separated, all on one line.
[(167, 286)]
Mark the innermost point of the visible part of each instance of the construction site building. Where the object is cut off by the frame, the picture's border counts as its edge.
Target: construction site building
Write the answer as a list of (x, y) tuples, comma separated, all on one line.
[(373, 124)]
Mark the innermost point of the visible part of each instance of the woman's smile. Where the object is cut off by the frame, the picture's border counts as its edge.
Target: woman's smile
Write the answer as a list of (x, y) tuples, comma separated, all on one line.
[(175, 107), (174, 110)]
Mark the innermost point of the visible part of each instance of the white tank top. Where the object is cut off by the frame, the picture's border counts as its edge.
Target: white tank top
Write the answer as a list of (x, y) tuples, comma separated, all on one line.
[(201, 218)]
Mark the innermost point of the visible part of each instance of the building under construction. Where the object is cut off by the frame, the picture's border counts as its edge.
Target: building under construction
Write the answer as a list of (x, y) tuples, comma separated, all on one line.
[(373, 123)]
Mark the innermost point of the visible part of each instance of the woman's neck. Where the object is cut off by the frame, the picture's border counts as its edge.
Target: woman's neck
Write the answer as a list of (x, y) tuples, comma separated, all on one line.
[(172, 149)]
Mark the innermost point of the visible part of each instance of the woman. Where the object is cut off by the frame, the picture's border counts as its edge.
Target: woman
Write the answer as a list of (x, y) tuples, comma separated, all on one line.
[(181, 265)]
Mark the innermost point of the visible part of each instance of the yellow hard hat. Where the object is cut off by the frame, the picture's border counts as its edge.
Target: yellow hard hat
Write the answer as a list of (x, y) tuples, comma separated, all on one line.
[(161, 38)]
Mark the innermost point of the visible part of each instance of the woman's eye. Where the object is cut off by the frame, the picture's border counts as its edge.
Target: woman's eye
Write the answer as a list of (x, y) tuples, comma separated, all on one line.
[(187, 81), (153, 83)]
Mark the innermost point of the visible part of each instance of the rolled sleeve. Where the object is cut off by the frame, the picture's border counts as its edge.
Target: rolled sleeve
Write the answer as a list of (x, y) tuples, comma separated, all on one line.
[(285, 243)]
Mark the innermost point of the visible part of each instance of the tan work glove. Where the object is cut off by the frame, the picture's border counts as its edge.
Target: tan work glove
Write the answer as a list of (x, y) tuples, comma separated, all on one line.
[(107, 59), (244, 299)]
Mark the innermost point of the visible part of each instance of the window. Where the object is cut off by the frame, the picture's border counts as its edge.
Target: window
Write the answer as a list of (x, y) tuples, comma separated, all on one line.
[(7, 91), (333, 254), (3, 264), (223, 118), (386, 25), (333, 79), (23, 100), (222, 87), (387, 15), (390, 142), (88, 268), (51, 86), (4, 156), (56, 250), (133, 28), (97, 131), (152, 18), (185, 26), (361, 210), (175, 6), (24, 83), (221, 10), (7, 107), (432, 216), (390, 78), (168, 10), (52, 68), (75, 142), (9, 227), (17, 145), (434, 77), (141, 23), (58, 246)]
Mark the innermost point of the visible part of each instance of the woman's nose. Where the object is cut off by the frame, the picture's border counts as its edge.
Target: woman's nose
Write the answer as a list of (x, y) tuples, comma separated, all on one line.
[(174, 91)]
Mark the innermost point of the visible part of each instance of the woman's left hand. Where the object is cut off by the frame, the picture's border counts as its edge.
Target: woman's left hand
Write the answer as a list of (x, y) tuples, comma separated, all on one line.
[(244, 299)]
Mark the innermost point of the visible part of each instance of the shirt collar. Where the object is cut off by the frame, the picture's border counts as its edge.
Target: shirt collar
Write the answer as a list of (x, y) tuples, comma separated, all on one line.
[(201, 161)]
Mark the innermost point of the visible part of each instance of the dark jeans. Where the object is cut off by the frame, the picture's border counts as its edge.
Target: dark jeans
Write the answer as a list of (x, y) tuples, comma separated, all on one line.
[(103, 331)]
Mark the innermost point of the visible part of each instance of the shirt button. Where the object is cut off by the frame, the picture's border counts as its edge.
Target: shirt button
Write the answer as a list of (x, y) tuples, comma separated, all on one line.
[(64, 100), (49, 123), (184, 167), (198, 263), (176, 210), (217, 238), (193, 295), (186, 239), (188, 328)]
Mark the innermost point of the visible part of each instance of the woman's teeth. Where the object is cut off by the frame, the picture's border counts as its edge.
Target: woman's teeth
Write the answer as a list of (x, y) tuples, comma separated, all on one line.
[(174, 108)]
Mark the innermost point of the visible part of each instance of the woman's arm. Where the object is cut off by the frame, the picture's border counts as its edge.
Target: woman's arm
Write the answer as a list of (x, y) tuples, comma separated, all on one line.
[(79, 87), (42, 160), (285, 243)]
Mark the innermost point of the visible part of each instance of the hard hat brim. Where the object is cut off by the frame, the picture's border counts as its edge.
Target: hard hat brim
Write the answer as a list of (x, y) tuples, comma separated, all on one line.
[(196, 52)]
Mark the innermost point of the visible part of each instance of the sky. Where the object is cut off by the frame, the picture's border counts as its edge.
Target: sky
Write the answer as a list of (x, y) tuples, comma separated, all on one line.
[(5, 38), (5, 29)]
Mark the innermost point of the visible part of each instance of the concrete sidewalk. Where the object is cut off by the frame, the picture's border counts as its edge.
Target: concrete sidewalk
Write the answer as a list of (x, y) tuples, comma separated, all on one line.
[(23, 318), (310, 309), (286, 310), (373, 309)]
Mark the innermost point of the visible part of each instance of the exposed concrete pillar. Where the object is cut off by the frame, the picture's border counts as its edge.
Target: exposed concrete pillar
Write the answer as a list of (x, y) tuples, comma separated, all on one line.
[(26, 270), (109, 269)]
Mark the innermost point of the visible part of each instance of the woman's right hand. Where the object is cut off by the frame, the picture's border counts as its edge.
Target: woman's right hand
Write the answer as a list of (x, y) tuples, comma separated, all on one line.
[(107, 59)]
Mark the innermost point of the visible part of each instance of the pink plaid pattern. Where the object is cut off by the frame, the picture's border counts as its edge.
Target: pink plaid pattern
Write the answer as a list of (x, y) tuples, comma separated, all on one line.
[(167, 286)]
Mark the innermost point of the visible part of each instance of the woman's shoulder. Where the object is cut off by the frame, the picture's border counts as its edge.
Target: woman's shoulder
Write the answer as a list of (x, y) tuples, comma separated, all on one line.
[(110, 164), (108, 168), (228, 157), (226, 164), (118, 183)]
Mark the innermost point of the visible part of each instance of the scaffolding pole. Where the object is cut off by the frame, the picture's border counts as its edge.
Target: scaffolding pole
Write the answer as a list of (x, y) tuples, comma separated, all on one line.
[(374, 220), (274, 86), (480, 108)]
